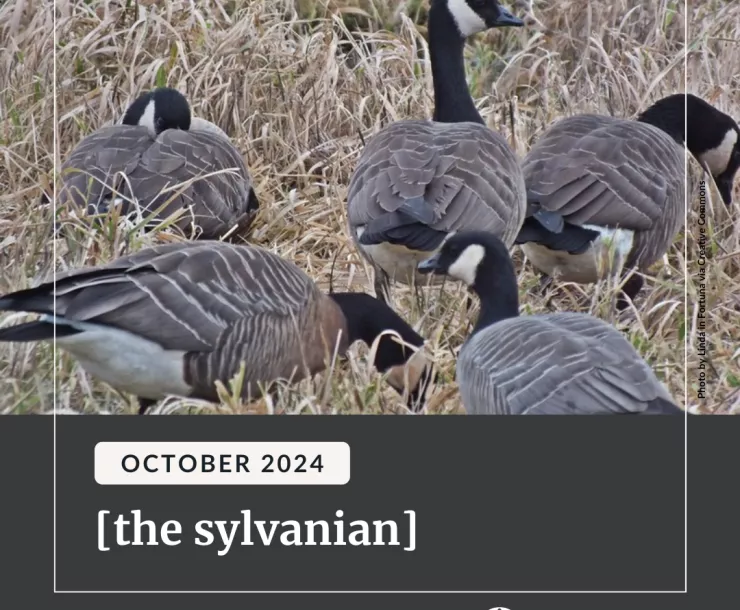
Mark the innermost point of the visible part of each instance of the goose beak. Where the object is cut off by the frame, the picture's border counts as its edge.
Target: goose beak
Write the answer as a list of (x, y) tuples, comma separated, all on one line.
[(429, 265), (505, 18)]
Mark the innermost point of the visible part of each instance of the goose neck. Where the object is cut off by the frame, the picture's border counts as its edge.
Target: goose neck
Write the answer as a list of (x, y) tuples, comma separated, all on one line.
[(499, 297), (668, 115), (452, 100), (368, 318)]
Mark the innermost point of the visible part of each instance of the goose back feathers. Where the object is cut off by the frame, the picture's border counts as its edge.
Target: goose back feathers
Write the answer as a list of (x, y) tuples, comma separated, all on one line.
[(163, 161), (418, 181), (175, 318), (557, 364), (552, 364), (600, 186), (607, 178)]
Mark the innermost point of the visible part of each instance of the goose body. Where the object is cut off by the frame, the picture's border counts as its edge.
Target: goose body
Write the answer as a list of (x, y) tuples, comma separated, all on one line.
[(557, 364), (418, 181), (606, 195), (553, 364), (165, 160), (465, 170), (173, 319)]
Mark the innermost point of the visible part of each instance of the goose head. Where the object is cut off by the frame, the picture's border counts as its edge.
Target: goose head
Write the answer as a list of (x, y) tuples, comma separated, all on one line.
[(473, 16), (482, 262), (711, 136), (472, 257), (158, 110), (399, 350), (729, 149)]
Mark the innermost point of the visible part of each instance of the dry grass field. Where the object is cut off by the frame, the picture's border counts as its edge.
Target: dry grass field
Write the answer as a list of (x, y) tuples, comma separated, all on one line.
[(714, 44), (298, 84)]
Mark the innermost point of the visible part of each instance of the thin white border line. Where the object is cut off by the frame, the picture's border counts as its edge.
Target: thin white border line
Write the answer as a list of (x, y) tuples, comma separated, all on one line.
[(54, 272), (686, 309), (398, 592), (686, 417)]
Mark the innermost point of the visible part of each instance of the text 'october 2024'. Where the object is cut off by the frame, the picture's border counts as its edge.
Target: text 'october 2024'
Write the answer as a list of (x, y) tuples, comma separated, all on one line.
[(257, 463)]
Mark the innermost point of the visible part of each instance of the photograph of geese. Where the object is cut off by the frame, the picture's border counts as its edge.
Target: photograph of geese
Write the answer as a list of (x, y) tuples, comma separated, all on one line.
[(412, 207)]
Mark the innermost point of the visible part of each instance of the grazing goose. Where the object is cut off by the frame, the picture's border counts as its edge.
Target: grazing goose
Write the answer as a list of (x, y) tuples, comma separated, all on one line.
[(418, 181), (160, 147), (551, 364), (173, 319), (598, 184)]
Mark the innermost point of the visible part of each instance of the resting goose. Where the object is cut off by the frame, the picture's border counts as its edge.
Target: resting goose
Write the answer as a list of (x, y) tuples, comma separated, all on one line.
[(173, 319), (167, 157), (418, 181), (597, 182), (552, 364)]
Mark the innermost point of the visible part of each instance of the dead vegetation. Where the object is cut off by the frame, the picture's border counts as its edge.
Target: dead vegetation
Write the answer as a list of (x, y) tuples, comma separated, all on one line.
[(714, 54), (298, 84)]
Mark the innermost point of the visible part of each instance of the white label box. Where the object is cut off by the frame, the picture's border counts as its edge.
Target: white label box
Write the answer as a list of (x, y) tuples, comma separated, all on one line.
[(222, 463)]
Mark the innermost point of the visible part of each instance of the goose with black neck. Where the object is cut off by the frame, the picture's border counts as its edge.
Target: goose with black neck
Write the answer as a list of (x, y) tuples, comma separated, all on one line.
[(605, 195), (418, 181), (549, 364), (174, 319)]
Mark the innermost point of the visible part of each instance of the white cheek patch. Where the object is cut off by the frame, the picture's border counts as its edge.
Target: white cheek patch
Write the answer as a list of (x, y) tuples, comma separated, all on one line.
[(467, 20), (147, 119), (717, 159), (466, 265)]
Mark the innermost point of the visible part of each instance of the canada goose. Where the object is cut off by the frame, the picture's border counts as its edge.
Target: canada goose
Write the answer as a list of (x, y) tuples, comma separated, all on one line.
[(551, 364), (596, 183), (167, 157), (417, 181), (174, 318)]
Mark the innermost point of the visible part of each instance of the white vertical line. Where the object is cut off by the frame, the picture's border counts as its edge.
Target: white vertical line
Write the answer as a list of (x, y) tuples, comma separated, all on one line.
[(54, 277), (686, 309)]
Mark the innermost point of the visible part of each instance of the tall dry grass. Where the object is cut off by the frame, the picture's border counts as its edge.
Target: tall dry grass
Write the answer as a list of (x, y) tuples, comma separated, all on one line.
[(713, 58), (298, 84)]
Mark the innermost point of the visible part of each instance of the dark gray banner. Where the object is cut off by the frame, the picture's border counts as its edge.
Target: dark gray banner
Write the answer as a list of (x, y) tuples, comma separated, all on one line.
[(515, 503), (468, 503)]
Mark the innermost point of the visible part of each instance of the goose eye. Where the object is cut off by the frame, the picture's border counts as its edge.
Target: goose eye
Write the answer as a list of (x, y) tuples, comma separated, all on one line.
[(159, 123)]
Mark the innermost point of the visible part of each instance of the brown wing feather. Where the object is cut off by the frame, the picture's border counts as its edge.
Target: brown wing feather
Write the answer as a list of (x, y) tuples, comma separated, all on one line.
[(465, 171)]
